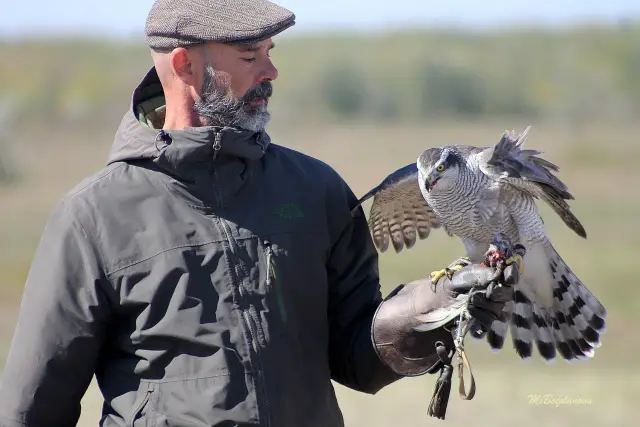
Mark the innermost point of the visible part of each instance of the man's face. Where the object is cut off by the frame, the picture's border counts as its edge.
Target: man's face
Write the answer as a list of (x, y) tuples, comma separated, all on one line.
[(236, 85)]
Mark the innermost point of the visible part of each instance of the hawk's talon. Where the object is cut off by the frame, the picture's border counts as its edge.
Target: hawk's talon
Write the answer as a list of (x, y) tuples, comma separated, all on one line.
[(449, 271), (517, 259), (460, 263), (437, 275)]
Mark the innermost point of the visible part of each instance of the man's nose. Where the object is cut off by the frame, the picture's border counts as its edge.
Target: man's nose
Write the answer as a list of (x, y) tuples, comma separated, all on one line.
[(269, 73)]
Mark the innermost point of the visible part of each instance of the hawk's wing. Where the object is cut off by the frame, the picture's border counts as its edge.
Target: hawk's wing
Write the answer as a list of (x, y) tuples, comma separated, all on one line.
[(522, 170), (399, 211)]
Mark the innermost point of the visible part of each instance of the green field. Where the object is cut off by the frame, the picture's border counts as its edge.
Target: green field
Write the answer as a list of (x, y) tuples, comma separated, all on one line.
[(598, 160)]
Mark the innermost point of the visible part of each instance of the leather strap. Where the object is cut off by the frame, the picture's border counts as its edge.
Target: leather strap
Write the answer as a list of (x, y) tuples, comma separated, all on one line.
[(462, 362)]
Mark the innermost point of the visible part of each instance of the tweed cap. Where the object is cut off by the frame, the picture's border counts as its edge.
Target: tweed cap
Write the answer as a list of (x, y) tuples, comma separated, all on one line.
[(179, 23)]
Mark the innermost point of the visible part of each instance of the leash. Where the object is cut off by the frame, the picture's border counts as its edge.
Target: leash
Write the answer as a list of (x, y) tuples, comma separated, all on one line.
[(463, 360), (440, 399)]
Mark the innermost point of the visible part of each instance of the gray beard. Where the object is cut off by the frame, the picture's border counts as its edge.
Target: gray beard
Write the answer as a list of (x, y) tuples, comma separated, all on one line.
[(216, 107)]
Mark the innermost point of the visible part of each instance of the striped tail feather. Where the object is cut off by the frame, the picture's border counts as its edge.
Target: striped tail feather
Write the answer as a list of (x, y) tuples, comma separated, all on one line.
[(528, 328), (521, 325), (570, 328), (543, 332), (579, 316), (497, 334)]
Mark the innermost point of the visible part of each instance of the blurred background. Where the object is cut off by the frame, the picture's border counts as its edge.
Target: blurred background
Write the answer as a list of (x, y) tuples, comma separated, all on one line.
[(365, 86)]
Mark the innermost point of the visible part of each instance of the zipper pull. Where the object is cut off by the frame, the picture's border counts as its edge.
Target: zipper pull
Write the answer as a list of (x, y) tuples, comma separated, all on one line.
[(217, 144), (269, 251), (271, 272)]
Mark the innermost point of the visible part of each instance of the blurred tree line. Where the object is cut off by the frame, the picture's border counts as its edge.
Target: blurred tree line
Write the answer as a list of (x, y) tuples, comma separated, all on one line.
[(571, 75)]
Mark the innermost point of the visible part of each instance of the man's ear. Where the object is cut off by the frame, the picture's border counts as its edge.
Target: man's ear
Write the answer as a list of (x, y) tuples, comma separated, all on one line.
[(182, 65)]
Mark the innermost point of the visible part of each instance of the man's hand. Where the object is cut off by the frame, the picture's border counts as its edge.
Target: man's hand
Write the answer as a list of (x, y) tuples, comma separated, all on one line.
[(488, 290)]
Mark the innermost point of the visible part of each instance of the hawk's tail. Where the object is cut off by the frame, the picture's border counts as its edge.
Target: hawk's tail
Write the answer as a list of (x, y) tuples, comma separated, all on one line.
[(571, 327)]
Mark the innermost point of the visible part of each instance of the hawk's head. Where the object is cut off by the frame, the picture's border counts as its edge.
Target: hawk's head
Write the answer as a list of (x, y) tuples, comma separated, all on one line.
[(438, 169)]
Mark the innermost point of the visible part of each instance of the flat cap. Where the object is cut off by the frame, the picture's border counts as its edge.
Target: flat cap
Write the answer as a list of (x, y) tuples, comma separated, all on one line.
[(179, 23)]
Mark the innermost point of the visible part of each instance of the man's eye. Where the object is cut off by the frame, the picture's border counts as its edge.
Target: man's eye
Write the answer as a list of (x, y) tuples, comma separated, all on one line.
[(249, 59)]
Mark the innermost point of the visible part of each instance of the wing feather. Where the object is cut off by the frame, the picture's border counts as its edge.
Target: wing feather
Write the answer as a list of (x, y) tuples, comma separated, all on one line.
[(522, 170), (399, 214)]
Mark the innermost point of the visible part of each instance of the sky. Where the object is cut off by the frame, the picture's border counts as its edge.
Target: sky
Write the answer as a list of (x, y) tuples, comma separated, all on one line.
[(125, 18)]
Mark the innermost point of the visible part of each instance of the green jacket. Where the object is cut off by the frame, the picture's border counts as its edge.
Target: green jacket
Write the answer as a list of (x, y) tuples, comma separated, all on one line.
[(202, 287)]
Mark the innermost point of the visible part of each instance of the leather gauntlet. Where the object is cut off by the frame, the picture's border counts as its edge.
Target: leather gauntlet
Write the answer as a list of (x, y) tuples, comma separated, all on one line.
[(413, 328), (399, 346), (414, 320)]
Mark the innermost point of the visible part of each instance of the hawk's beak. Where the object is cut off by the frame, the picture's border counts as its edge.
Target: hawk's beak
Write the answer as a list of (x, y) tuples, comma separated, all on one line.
[(429, 182)]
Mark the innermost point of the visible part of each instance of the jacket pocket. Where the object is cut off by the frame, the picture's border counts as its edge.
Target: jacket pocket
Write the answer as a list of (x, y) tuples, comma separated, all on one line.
[(142, 404)]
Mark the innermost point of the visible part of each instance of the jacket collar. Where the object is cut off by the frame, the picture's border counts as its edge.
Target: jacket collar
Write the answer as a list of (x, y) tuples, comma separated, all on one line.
[(180, 151)]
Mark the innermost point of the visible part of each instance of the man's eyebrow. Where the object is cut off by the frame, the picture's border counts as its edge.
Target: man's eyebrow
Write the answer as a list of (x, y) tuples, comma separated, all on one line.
[(254, 48)]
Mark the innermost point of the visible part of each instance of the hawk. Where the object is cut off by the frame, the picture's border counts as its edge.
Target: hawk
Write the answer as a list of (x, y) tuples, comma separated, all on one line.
[(476, 193)]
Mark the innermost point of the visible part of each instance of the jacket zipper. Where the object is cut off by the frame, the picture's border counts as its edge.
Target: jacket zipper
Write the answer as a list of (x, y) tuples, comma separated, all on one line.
[(147, 396), (217, 145), (250, 323), (261, 389), (273, 273)]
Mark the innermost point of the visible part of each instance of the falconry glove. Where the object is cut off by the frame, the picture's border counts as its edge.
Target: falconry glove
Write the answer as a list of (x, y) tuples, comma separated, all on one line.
[(416, 316), (414, 330)]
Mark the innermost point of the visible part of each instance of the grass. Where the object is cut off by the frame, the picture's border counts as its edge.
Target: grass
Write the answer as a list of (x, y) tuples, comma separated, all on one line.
[(597, 163)]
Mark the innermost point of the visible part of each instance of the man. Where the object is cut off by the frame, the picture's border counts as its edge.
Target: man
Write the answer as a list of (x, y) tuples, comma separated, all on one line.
[(207, 276)]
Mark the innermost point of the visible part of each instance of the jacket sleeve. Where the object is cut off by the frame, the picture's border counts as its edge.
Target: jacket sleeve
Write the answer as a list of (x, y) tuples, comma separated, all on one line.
[(59, 331), (354, 296)]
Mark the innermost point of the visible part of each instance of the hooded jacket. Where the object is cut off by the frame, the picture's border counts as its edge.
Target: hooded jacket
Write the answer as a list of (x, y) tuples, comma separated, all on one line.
[(207, 277)]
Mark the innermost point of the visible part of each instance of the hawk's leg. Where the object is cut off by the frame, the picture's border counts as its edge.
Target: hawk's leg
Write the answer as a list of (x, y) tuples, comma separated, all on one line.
[(448, 271)]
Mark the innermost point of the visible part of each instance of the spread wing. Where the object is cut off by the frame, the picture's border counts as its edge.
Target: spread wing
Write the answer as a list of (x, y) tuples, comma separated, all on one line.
[(399, 213), (522, 170)]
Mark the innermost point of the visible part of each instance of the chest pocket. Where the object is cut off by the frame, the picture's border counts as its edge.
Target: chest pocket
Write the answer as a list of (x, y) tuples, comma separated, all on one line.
[(283, 242), (285, 260)]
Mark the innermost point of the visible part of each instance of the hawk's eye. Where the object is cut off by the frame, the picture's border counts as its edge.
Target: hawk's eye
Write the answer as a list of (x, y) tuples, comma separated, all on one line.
[(440, 168)]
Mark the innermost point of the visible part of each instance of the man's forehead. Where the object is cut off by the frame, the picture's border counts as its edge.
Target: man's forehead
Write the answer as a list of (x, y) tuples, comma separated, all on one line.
[(254, 47)]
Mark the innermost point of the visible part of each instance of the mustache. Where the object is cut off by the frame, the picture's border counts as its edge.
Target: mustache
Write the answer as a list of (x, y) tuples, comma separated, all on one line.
[(263, 90)]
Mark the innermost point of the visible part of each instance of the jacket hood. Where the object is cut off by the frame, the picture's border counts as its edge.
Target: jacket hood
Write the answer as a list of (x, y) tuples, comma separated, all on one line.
[(140, 135)]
